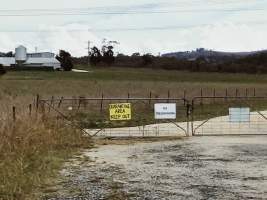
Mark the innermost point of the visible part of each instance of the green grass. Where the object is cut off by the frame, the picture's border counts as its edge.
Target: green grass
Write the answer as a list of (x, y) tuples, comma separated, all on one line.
[(139, 74), (118, 82)]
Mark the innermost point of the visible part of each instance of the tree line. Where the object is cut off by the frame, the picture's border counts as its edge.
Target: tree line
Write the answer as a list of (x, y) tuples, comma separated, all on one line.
[(256, 63)]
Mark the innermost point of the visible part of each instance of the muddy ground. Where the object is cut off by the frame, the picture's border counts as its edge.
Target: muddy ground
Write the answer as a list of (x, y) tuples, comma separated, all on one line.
[(208, 167)]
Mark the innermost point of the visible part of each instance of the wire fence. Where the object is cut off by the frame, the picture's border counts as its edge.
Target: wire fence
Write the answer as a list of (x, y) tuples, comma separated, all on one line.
[(93, 115), (201, 115), (223, 115)]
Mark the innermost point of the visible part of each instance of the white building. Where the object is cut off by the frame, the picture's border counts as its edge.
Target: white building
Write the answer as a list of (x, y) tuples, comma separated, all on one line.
[(32, 60)]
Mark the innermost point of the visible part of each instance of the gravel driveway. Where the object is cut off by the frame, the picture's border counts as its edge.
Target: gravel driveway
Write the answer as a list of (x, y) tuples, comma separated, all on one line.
[(208, 167)]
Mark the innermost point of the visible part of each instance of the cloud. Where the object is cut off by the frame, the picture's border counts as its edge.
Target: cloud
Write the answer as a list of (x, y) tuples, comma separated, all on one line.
[(74, 38), (234, 37), (241, 29)]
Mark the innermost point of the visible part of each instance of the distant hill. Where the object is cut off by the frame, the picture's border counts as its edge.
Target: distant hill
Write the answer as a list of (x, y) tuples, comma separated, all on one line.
[(210, 55)]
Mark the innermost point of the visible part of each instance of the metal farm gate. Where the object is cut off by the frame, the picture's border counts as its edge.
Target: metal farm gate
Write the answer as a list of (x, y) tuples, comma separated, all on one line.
[(225, 115), (204, 115), (93, 116)]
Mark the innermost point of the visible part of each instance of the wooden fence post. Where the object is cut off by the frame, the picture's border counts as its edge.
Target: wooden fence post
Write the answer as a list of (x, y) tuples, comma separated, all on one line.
[(226, 94), (201, 95), (169, 95), (214, 95), (73, 102), (30, 109), (51, 103), (14, 113), (101, 106), (128, 97), (79, 102), (184, 97), (150, 96), (37, 102), (60, 102)]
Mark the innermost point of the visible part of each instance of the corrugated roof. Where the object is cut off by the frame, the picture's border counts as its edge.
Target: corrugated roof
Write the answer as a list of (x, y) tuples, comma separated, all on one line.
[(8, 61)]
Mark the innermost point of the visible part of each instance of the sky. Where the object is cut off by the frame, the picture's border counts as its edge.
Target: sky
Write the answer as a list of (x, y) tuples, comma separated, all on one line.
[(145, 26)]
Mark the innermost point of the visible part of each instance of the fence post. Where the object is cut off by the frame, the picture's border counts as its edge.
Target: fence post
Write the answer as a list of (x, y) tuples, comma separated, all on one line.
[(101, 106), (128, 97), (214, 95), (201, 95), (60, 101), (226, 94), (236, 92), (79, 104), (184, 97), (192, 118), (73, 101), (254, 92), (150, 96), (246, 92), (169, 95), (37, 101), (51, 103), (14, 113), (188, 113), (30, 109)]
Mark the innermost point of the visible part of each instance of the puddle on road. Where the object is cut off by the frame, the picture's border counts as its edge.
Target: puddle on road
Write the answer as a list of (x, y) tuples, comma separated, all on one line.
[(228, 167)]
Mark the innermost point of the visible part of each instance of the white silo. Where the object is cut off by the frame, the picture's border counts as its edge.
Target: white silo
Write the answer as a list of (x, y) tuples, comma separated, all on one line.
[(20, 54)]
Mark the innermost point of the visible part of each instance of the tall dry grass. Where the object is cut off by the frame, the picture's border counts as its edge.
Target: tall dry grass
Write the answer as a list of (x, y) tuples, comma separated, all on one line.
[(32, 149)]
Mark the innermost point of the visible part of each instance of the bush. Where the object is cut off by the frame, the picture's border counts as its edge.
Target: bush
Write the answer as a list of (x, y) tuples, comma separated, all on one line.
[(2, 70)]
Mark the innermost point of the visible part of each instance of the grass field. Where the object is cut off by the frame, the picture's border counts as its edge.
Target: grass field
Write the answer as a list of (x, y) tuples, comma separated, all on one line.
[(118, 82), (20, 87)]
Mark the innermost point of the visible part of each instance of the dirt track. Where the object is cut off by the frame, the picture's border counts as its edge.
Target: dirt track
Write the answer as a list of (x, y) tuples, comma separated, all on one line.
[(222, 167)]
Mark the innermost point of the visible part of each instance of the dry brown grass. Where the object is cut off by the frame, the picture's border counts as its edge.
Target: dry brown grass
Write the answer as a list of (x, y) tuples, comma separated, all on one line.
[(31, 151)]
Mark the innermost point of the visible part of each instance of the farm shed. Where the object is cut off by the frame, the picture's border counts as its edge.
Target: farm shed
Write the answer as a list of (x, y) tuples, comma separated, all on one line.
[(30, 60)]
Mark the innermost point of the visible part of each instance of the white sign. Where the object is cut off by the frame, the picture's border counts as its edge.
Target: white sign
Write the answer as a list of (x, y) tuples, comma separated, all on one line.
[(165, 111), (239, 114)]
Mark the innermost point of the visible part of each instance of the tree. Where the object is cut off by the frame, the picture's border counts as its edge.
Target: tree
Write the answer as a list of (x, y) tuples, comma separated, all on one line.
[(2, 70), (65, 60), (108, 55), (137, 54), (95, 56), (107, 51), (9, 54), (147, 59)]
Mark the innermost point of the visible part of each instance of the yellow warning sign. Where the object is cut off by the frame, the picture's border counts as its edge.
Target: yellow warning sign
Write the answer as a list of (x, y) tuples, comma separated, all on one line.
[(120, 111)]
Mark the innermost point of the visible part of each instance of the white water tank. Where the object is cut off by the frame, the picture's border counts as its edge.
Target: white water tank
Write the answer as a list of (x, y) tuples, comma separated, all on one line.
[(20, 54)]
